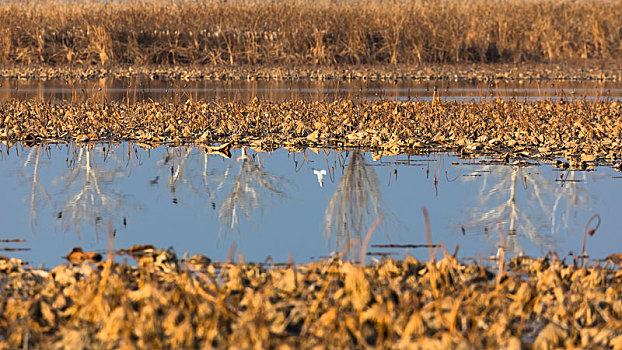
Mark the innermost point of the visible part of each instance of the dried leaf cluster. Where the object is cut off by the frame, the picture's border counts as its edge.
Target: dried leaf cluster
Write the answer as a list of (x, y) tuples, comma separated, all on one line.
[(584, 133), (195, 303), (602, 70)]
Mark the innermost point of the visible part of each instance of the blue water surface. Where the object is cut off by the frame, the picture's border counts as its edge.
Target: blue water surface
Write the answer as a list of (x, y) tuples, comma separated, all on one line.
[(307, 204)]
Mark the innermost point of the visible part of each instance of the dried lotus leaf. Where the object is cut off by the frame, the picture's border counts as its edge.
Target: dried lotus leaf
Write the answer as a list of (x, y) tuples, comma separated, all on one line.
[(314, 136)]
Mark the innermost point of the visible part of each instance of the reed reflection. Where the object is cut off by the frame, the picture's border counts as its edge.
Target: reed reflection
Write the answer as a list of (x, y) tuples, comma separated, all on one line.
[(355, 203), (180, 171), (250, 186), (94, 197), (526, 203), (244, 185), (38, 193)]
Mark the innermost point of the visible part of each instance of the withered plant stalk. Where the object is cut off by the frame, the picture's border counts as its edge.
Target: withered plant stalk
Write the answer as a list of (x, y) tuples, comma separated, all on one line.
[(211, 32)]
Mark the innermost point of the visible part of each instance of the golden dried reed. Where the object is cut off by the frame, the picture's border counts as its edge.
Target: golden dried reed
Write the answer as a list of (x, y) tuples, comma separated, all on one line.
[(239, 32)]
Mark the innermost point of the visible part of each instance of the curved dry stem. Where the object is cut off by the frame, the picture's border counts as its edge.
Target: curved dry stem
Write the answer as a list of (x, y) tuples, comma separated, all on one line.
[(590, 232)]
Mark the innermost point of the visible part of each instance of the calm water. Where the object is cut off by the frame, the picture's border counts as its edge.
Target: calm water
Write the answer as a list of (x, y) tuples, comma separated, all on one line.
[(108, 89), (57, 197)]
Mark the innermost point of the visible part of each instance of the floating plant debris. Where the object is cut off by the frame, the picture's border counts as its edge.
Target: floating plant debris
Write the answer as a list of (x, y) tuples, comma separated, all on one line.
[(13, 249), (77, 256), (581, 132), (15, 240), (521, 72), (404, 246)]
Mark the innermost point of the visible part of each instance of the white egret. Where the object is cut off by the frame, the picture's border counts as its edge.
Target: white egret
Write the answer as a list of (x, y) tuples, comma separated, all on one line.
[(320, 176)]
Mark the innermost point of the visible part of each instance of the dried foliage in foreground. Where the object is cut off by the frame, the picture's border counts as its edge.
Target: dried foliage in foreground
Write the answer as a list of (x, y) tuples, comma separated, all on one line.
[(166, 303), (584, 133), (306, 32)]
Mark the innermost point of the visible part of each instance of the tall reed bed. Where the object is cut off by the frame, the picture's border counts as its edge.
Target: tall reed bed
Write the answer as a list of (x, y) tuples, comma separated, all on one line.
[(323, 32)]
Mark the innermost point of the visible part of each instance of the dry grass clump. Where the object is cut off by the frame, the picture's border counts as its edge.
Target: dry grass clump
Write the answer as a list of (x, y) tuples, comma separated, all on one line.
[(166, 303), (582, 132), (307, 32)]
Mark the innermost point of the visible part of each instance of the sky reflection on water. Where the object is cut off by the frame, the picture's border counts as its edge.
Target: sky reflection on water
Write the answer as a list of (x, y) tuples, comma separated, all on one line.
[(270, 204)]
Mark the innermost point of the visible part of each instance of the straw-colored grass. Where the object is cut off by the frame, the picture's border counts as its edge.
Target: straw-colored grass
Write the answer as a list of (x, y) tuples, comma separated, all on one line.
[(323, 32)]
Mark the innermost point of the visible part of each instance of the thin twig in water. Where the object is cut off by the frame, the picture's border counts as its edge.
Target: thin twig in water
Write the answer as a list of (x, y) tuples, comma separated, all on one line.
[(110, 240), (404, 246), (231, 253), (501, 254), (345, 250), (428, 234), (367, 239)]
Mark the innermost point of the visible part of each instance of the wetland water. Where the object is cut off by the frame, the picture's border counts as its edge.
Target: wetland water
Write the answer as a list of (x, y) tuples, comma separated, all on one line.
[(57, 197), (104, 90)]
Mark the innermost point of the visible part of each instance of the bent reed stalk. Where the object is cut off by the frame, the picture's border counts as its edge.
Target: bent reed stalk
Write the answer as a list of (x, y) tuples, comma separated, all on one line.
[(185, 32)]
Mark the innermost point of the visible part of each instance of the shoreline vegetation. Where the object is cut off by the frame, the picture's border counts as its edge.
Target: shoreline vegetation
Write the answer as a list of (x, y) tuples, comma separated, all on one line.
[(165, 302), (583, 133), (186, 34), (562, 70)]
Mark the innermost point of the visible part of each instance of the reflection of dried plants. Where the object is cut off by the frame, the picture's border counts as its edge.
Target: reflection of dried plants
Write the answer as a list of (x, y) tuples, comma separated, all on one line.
[(572, 194), (502, 198), (36, 185), (94, 200), (246, 194), (177, 174), (357, 198)]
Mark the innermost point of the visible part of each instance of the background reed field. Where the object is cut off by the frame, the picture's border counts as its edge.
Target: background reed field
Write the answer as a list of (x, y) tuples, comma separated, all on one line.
[(303, 32)]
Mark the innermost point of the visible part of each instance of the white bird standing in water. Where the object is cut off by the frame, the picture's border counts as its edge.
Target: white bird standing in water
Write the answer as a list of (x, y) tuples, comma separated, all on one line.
[(320, 176)]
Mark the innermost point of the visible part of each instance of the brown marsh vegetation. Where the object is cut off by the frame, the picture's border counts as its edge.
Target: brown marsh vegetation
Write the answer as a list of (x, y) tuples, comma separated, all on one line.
[(300, 32), (598, 70), (584, 133), (164, 302)]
